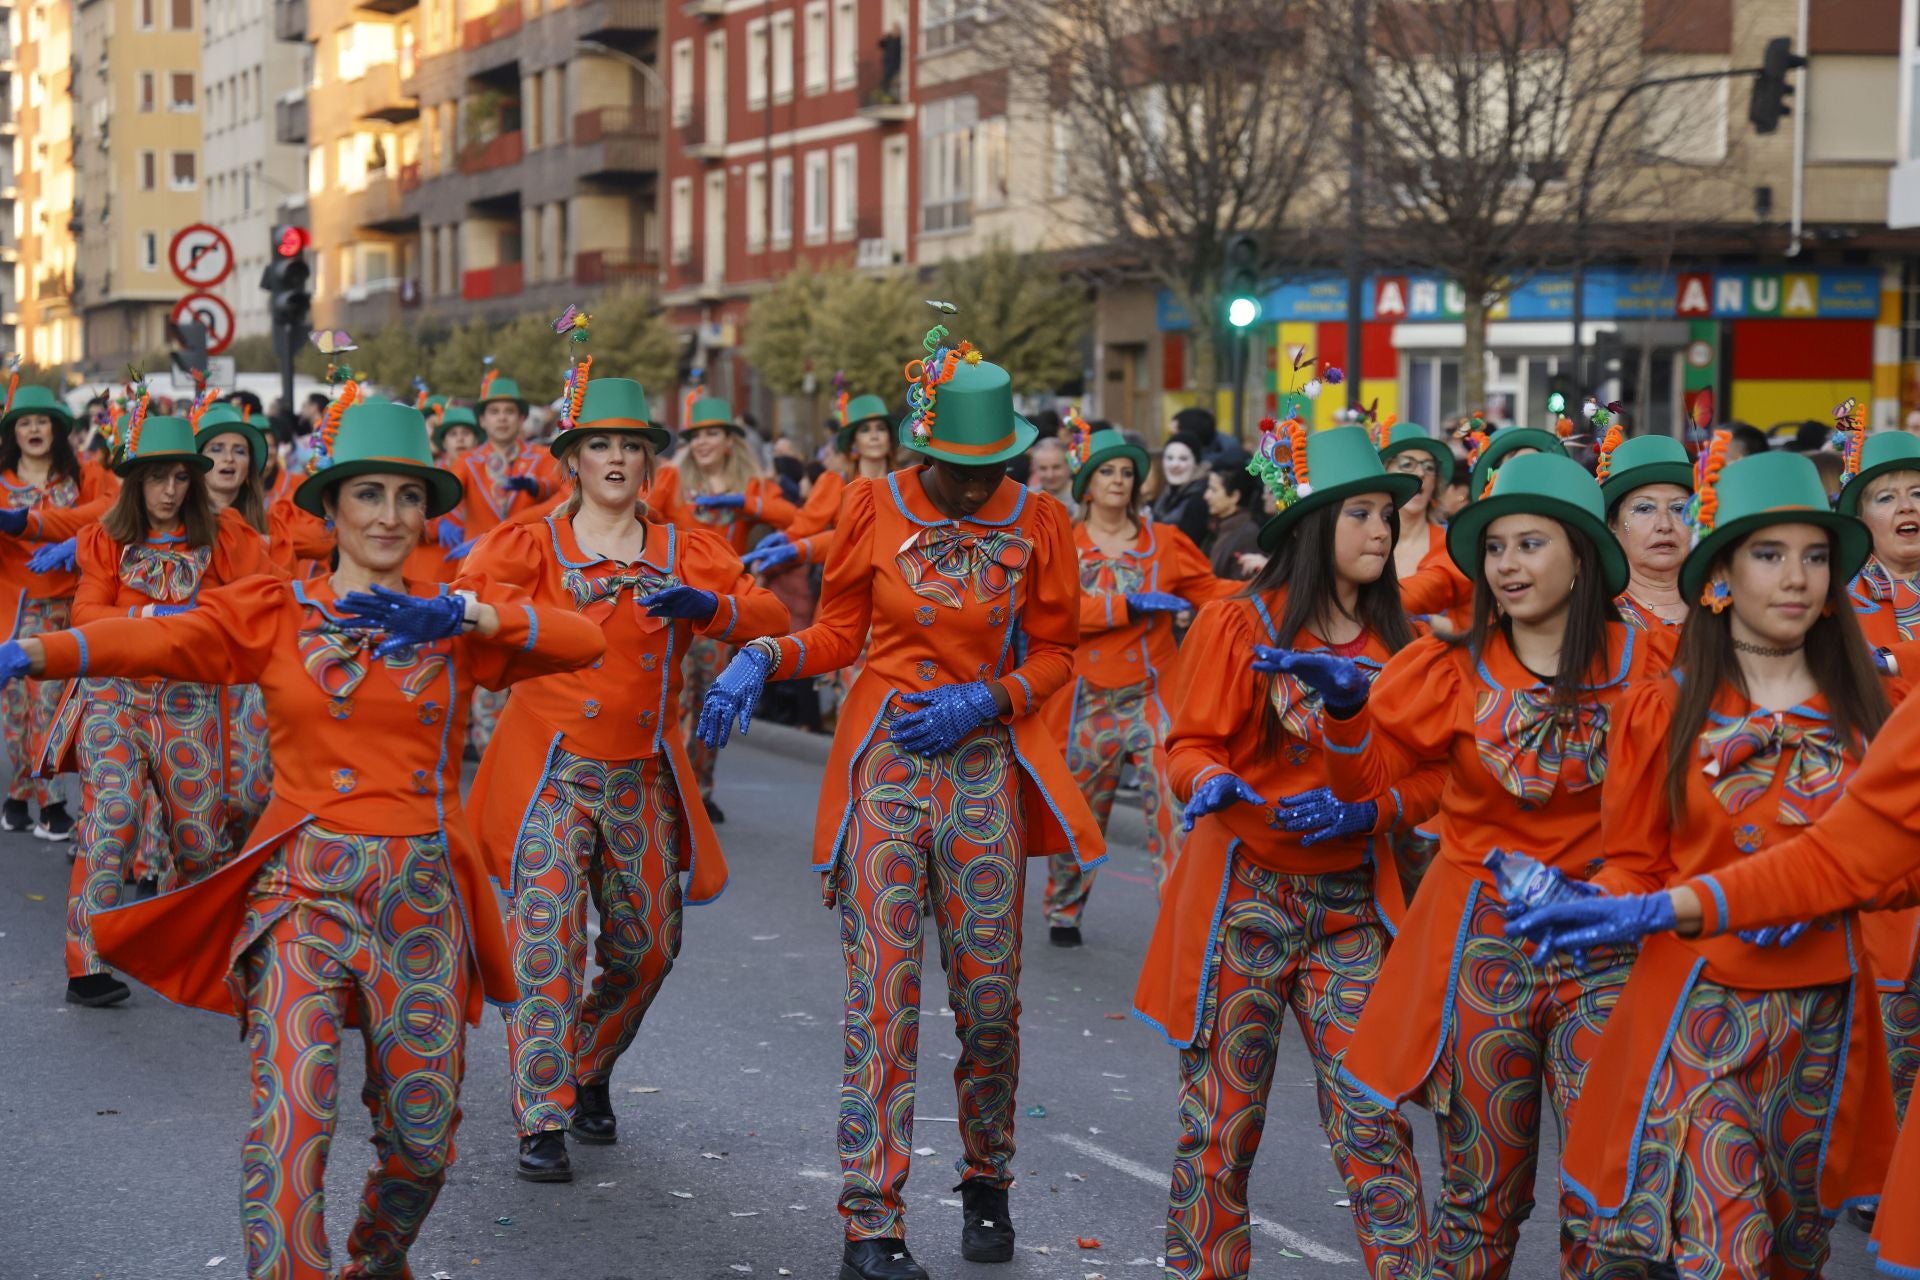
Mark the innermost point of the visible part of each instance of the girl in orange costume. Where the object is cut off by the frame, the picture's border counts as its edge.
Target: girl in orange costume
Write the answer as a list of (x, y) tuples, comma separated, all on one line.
[(1281, 900), (1135, 574), (361, 899), (865, 441), (1461, 1020), (584, 794), (942, 780), (150, 555)]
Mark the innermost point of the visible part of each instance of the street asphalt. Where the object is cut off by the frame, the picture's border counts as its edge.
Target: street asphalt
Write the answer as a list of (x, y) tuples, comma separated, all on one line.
[(123, 1126)]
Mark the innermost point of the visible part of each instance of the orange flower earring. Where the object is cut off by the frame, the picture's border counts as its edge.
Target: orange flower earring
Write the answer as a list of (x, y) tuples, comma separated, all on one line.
[(1717, 596)]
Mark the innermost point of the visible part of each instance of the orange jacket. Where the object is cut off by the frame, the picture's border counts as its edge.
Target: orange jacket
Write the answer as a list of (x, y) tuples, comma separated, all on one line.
[(1437, 587), (1640, 618), (54, 515), (624, 706), (1888, 607), (822, 507), (943, 600), (486, 503), (670, 499), (355, 749), (238, 551), (1118, 649)]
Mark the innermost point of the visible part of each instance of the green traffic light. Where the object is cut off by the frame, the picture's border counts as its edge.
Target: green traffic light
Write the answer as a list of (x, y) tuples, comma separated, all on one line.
[(1242, 311)]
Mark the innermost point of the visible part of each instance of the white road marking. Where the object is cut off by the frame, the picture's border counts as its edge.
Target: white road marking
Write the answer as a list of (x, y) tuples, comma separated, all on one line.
[(1159, 1177)]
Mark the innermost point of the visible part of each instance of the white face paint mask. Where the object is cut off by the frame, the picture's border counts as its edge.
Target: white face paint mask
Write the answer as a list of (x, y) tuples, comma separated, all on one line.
[(1177, 463)]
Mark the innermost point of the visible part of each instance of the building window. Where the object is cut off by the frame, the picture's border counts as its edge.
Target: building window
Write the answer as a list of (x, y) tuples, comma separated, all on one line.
[(946, 23), (143, 16), (782, 56), (181, 15), (182, 170), (317, 169), (757, 63), (149, 251), (816, 197), (180, 97), (991, 153), (680, 224), (681, 83), (846, 44), (1062, 156), (946, 174), (149, 170), (756, 207), (846, 167), (782, 202), (816, 47), (149, 91)]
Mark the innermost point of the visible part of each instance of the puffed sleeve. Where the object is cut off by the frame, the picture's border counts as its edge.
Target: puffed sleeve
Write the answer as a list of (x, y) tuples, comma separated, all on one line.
[(746, 610), (509, 553), (1050, 614), (1407, 722), (1222, 697), (845, 613), (1636, 825), (822, 506), (97, 556), (1435, 587), (532, 640), (228, 637), (240, 550), (294, 535)]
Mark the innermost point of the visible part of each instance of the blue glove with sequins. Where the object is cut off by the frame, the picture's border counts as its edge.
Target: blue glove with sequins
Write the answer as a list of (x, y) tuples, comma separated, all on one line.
[(680, 602), (946, 714), (720, 500), (409, 621), (1599, 921), (1339, 681), (1155, 602), (170, 610), (460, 550), (13, 519), (764, 557), (529, 485), (54, 556), (1773, 935), (451, 535), (1215, 794), (1320, 815), (778, 538), (734, 697), (14, 662)]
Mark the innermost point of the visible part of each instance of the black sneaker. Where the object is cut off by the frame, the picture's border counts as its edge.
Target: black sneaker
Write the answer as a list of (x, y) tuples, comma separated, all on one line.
[(13, 816), (54, 824), (715, 814), (885, 1259), (543, 1157), (986, 1233), (1064, 935), (593, 1118), (97, 990)]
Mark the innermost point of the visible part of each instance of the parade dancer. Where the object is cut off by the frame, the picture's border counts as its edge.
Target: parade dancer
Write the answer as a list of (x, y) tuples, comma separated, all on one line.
[(1739, 1096), (864, 441), (941, 781), (1647, 483), (50, 496), (1406, 449), (1281, 898), (583, 794), (1135, 575), (151, 555), (1461, 1020), (361, 900)]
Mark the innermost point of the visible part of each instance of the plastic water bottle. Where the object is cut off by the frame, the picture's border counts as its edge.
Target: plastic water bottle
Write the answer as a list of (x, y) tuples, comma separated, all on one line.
[(1527, 882)]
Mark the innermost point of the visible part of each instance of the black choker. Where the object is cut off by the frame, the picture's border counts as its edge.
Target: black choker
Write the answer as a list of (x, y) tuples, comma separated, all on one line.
[(1762, 651)]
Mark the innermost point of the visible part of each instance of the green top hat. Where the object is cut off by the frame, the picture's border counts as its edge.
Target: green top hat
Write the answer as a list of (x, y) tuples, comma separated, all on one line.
[(1769, 488), (494, 387), (1501, 445), (451, 416), (1340, 463), (710, 411), (1887, 451), (379, 437), (1101, 446), (162, 440), (436, 402), (613, 405), (1544, 484), (223, 419), (32, 399), (1411, 435), (968, 418), (860, 409), (1642, 461)]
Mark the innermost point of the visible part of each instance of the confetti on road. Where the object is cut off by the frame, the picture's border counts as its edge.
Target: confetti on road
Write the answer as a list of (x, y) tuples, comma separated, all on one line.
[(217, 1259), (681, 1195)]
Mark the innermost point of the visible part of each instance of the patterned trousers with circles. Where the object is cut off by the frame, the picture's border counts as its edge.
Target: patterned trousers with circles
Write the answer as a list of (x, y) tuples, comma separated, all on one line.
[(1311, 945), (1900, 1014), (158, 742), (610, 833), (949, 828), (367, 929), (1113, 728), (704, 662), (482, 716), (250, 784), (27, 708)]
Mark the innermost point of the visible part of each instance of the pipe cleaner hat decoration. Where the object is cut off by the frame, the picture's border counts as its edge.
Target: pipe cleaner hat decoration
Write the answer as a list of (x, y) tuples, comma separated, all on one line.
[(342, 377), (125, 425), (1605, 420), (841, 396), (576, 326), (1079, 440), (1849, 437), (13, 378), (960, 404), (1280, 461), (927, 375)]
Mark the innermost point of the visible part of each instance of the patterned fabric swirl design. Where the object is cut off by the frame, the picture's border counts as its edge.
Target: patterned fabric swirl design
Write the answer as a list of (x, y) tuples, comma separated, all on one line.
[(594, 593), (338, 658), (1299, 707), (1743, 757), (934, 560), (1900, 595), (61, 493), (1532, 745), (162, 573)]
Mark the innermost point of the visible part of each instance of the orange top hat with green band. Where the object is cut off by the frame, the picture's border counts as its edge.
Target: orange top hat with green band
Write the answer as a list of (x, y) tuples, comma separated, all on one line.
[(960, 407), (375, 437), (30, 399)]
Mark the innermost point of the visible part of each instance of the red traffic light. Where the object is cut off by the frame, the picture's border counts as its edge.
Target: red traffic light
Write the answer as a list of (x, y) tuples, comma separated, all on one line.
[(290, 242)]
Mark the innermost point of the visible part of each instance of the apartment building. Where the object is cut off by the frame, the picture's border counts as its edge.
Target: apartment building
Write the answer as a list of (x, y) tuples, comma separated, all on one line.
[(136, 100), (793, 138), (41, 35)]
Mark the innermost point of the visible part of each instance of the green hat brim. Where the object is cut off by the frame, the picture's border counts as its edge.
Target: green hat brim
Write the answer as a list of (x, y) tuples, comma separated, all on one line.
[(1463, 533), (1399, 487), (1849, 503), (59, 413), (1442, 455), (1084, 476), (843, 438), (1615, 488), (733, 428), (444, 489), (1501, 446), (1852, 544), (520, 401), (440, 432), (659, 437), (125, 466), (1024, 434), (256, 441)]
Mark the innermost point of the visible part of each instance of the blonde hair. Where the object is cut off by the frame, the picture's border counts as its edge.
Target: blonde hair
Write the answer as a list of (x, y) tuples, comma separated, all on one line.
[(734, 473), (571, 507)]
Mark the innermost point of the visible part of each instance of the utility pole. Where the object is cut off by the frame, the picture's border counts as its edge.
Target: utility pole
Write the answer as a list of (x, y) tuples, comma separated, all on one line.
[(1356, 208)]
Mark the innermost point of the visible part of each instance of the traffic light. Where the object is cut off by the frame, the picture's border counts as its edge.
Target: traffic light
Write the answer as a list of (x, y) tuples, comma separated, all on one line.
[(190, 357), (1241, 285), (285, 281), (1770, 87)]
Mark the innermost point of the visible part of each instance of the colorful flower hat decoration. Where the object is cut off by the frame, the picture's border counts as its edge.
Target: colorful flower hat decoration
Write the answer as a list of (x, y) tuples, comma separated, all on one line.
[(1882, 453), (1307, 470), (13, 379), (151, 437), (960, 405), (1088, 450), (576, 326), (346, 394), (1736, 499), (1849, 438)]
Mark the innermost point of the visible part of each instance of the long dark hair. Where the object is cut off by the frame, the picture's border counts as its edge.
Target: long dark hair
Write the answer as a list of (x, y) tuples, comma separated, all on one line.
[(127, 521), (1304, 566), (1583, 646), (1837, 655), (63, 465)]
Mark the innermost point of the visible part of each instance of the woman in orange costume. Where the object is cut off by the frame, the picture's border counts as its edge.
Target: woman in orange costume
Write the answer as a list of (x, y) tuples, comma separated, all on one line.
[(1281, 899), (361, 900), (865, 440), (942, 780), (1739, 1096), (1135, 574), (1461, 1020), (1647, 483), (50, 497), (584, 792), (150, 555)]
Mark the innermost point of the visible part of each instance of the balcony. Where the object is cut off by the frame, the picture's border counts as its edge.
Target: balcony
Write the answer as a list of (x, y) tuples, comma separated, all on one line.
[(502, 151), (53, 284), (487, 28), (377, 95), (371, 307), (382, 206), (503, 281), (693, 140), (617, 139), (879, 93), (599, 17), (290, 121), (290, 20), (705, 8), (615, 267)]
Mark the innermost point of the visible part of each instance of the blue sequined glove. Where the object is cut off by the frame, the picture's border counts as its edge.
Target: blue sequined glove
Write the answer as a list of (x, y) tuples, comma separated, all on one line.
[(946, 714), (778, 538), (763, 557), (1319, 815), (13, 519), (14, 662), (409, 621), (1155, 602), (529, 485), (1599, 921), (54, 556), (1339, 681), (460, 550), (733, 697), (680, 602), (1215, 794), (722, 500), (170, 610), (451, 535), (1773, 935)]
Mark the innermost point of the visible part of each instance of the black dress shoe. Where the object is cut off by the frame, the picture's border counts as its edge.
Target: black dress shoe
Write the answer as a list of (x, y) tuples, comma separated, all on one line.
[(986, 1233), (1064, 935), (97, 990), (715, 814), (543, 1157), (593, 1119), (13, 816), (885, 1259), (55, 824)]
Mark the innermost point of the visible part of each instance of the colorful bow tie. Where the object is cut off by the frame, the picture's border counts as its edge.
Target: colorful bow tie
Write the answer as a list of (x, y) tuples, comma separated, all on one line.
[(1743, 757), (1300, 708), (1883, 588), (61, 493), (1533, 745), (338, 658), (1119, 576), (937, 563), (594, 594), (163, 575)]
